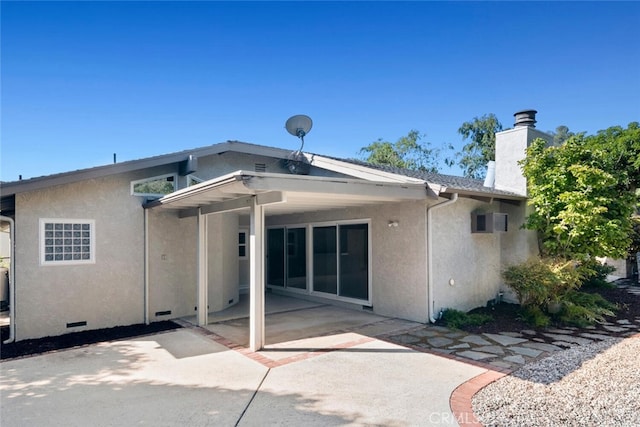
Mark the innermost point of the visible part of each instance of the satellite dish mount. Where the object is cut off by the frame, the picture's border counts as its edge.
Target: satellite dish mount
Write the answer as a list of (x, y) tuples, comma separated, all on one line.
[(299, 126)]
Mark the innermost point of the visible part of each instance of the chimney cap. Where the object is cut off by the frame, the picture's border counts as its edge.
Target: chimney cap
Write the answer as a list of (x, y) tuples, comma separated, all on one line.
[(525, 118)]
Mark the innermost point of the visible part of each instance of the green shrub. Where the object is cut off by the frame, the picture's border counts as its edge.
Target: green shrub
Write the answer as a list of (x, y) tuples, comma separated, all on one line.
[(457, 319), (583, 309), (595, 274), (535, 317), (538, 281)]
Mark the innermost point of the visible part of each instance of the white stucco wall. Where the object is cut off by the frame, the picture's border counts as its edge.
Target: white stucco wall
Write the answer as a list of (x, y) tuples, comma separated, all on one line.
[(104, 294)]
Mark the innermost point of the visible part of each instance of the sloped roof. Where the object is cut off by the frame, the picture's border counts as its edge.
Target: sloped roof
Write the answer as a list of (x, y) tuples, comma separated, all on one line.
[(450, 183), (13, 187), (447, 183)]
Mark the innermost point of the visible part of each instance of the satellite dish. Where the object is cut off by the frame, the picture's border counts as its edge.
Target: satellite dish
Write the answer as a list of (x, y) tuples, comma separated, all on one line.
[(299, 126)]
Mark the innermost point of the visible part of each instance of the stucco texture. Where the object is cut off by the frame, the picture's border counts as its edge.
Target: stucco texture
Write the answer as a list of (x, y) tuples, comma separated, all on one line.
[(398, 279), (106, 293)]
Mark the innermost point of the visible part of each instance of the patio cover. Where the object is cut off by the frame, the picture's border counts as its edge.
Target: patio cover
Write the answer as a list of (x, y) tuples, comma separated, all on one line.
[(268, 193)]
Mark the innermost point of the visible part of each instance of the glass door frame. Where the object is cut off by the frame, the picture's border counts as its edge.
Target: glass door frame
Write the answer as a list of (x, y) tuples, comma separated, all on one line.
[(337, 296), (285, 266), (309, 260)]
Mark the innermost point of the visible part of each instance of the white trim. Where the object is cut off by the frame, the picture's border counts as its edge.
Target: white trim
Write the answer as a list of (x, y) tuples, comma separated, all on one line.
[(256, 277), (192, 180), (146, 266), (42, 237), (155, 178), (358, 171), (12, 280), (203, 270)]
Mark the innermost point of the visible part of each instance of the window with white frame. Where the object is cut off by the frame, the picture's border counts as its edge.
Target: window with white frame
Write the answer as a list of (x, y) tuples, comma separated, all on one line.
[(154, 186), (243, 244), (193, 180), (67, 241)]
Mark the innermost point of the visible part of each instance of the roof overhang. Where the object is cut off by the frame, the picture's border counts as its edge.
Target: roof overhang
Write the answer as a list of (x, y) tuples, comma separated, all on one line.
[(285, 194)]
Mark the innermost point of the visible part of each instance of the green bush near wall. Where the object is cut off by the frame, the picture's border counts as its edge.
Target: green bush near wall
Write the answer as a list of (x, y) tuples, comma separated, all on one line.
[(547, 289)]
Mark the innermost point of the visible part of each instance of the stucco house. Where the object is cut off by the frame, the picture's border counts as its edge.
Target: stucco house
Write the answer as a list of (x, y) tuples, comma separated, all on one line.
[(186, 233)]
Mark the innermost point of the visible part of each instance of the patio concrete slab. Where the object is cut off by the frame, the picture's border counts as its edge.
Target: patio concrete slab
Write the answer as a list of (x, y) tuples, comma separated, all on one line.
[(298, 324), (183, 377), (169, 379), (376, 383)]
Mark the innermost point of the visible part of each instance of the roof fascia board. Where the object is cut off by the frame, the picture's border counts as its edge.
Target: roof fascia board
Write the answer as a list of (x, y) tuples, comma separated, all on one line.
[(358, 171), (306, 184), (478, 195), (234, 177), (13, 187)]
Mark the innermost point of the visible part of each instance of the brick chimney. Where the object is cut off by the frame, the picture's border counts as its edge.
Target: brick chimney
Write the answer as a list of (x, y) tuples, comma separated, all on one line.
[(510, 149)]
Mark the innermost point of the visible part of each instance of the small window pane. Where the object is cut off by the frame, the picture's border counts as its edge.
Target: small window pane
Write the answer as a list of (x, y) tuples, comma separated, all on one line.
[(156, 186), (66, 242)]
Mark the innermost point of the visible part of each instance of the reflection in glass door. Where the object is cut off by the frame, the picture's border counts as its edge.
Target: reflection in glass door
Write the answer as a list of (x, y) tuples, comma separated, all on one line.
[(275, 257), (296, 258), (354, 261), (287, 263), (346, 275), (325, 260)]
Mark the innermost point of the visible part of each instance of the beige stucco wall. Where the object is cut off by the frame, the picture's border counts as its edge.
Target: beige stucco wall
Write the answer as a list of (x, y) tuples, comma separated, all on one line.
[(472, 260), (224, 289), (107, 293), (398, 254), (511, 145), (213, 166), (172, 265)]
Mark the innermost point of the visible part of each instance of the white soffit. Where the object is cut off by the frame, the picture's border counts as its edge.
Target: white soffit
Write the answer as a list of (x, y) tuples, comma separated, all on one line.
[(286, 193)]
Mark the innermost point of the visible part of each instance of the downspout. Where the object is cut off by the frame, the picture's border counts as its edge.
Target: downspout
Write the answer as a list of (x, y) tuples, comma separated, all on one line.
[(12, 281), (430, 300), (146, 266)]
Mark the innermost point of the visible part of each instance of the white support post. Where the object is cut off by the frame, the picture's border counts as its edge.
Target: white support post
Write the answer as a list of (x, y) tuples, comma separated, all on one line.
[(256, 284), (203, 270)]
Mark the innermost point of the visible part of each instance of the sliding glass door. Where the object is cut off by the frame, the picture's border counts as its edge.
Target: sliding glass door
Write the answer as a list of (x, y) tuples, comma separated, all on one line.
[(354, 261), (275, 257), (325, 260), (287, 257), (339, 259), (297, 258)]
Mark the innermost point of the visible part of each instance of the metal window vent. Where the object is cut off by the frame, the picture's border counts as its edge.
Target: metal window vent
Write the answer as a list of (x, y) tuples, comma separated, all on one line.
[(76, 324), (260, 167), (490, 222)]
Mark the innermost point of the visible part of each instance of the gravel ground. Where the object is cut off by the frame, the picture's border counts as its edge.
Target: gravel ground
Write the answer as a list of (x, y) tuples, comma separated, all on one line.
[(592, 385)]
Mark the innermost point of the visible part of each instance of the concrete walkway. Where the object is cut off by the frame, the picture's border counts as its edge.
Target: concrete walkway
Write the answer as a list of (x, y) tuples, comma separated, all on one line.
[(186, 378), (323, 365)]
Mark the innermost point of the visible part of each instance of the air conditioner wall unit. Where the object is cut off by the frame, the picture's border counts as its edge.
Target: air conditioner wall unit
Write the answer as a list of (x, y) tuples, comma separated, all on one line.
[(489, 222)]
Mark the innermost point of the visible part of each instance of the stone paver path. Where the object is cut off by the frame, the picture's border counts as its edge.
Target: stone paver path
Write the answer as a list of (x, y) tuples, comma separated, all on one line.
[(508, 351)]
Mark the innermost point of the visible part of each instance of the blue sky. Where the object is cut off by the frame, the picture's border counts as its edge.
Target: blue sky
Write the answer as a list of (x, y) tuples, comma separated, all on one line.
[(84, 80)]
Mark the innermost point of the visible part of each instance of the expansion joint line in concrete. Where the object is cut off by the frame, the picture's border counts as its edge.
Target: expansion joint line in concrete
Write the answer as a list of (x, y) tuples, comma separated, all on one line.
[(252, 397)]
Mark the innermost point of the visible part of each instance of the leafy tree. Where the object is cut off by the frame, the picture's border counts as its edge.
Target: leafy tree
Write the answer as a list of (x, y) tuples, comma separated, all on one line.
[(561, 134), (481, 133), (407, 153), (583, 192)]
